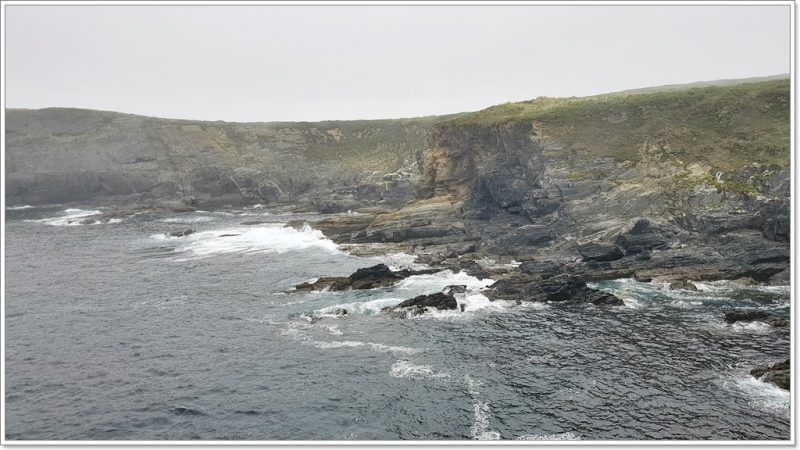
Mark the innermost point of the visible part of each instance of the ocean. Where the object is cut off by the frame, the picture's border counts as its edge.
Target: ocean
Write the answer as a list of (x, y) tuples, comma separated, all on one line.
[(115, 331)]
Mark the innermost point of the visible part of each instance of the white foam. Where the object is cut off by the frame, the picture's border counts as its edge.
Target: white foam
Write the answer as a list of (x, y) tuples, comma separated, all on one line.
[(480, 427), (334, 330), (407, 369), (762, 396), (568, 436), (293, 331), (15, 208), (190, 219), (366, 308), (267, 238), (685, 304), (69, 217), (754, 327), (725, 286), (437, 281)]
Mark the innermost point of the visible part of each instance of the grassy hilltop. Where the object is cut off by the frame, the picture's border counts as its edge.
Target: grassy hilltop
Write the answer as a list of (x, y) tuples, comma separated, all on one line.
[(726, 126)]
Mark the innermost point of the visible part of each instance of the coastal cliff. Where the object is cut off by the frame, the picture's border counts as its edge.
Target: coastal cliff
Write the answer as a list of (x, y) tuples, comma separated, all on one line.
[(665, 184)]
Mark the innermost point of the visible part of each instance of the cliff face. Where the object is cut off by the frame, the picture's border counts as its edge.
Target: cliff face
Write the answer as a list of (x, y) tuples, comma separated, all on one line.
[(647, 202), (68, 155)]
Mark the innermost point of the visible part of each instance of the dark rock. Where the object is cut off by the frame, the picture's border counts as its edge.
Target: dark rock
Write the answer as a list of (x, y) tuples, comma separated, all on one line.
[(180, 233), (544, 269), (555, 289), (641, 226), (777, 374), (745, 315), (376, 276), (472, 268), (325, 283), (340, 312), (601, 298), (751, 315), (595, 251), (683, 285), (439, 300)]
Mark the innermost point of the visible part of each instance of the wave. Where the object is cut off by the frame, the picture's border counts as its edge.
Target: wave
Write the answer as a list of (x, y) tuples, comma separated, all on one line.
[(69, 217), (16, 208), (262, 239)]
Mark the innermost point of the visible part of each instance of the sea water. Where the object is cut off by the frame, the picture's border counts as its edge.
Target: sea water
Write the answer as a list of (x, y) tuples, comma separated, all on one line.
[(115, 331)]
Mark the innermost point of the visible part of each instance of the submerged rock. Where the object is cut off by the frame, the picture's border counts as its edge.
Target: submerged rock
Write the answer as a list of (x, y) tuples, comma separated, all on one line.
[(777, 374)]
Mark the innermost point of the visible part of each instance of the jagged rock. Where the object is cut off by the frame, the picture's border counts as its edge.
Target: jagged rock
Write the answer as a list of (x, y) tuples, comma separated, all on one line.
[(683, 285), (750, 315), (180, 233), (777, 374), (595, 251)]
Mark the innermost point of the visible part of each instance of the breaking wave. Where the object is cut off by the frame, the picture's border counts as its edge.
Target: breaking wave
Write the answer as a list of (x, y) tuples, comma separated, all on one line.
[(262, 239)]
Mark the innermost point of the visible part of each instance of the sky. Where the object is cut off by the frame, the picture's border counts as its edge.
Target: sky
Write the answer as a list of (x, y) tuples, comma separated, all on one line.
[(309, 63)]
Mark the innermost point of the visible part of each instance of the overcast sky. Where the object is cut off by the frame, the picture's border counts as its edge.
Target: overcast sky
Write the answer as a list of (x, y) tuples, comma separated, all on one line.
[(265, 63)]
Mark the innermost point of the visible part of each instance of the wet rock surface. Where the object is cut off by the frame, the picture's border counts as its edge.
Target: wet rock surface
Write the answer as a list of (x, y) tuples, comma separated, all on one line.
[(778, 374)]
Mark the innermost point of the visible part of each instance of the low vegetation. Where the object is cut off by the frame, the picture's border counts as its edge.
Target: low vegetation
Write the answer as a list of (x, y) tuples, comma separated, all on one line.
[(725, 126)]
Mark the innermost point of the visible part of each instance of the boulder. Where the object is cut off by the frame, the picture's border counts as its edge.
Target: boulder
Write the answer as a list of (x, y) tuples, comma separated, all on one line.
[(595, 251)]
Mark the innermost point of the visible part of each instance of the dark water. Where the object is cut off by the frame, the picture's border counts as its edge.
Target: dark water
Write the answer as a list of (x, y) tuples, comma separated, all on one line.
[(115, 332)]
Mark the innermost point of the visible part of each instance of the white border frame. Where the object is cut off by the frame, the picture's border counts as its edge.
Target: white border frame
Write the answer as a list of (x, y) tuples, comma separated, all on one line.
[(291, 444)]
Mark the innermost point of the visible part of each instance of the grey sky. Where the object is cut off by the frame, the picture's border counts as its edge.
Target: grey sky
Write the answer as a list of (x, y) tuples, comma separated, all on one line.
[(264, 63)]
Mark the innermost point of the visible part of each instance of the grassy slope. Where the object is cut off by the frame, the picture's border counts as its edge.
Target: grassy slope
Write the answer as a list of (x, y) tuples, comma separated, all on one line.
[(725, 126)]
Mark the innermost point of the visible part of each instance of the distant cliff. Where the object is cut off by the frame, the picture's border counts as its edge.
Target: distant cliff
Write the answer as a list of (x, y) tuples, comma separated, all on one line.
[(61, 155)]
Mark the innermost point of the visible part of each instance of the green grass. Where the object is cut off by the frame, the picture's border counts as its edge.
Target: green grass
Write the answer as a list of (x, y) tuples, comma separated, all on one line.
[(725, 126)]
